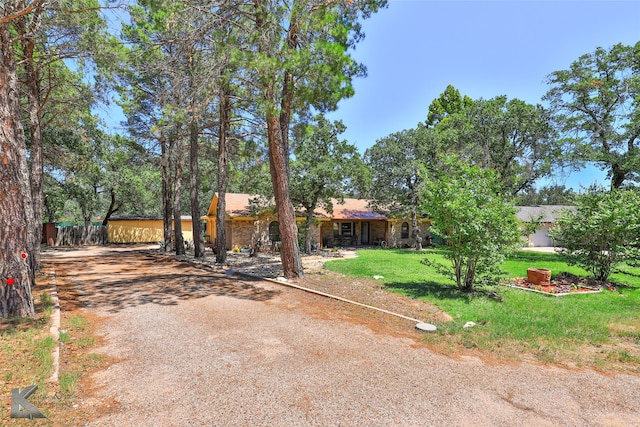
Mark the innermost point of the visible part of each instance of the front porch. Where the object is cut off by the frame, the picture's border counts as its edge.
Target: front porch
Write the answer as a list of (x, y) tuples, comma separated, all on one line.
[(353, 233)]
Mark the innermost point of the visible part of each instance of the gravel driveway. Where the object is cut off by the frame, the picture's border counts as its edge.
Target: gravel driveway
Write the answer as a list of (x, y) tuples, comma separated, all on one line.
[(195, 347)]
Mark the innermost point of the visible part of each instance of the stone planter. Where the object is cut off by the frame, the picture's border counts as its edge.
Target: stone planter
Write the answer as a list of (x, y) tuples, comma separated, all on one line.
[(539, 276)]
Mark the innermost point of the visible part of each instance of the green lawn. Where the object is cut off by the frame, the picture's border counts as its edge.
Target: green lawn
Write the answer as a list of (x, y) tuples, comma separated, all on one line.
[(601, 330)]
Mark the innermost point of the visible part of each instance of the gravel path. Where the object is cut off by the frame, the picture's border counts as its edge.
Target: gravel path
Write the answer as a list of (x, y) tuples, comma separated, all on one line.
[(245, 353)]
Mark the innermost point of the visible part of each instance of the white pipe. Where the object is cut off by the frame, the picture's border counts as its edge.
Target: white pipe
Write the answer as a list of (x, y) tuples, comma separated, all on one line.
[(291, 285)]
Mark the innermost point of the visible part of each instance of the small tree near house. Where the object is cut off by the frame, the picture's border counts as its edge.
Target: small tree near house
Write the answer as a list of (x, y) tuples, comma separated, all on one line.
[(478, 224), (602, 232)]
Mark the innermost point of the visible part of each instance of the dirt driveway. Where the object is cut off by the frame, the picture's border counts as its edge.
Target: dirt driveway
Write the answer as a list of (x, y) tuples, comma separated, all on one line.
[(196, 347)]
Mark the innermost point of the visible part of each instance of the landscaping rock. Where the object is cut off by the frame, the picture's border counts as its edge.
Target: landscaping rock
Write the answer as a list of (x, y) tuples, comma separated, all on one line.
[(539, 276)]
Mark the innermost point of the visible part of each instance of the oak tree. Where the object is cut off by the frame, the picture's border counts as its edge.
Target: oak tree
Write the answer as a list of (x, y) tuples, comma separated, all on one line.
[(513, 138), (321, 169), (398, 164), (596, 102)]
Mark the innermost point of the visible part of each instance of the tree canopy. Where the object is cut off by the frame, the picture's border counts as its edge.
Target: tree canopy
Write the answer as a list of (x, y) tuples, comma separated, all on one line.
[(449, 102), (397, 166), (511, 137), (596, 103), (323, 168)]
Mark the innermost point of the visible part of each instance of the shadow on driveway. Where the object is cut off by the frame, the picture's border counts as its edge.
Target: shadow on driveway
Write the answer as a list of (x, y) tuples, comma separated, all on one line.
[(115, 280)]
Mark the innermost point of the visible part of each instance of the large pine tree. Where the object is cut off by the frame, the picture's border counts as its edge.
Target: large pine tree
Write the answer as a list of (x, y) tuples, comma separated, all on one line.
[(16, 211)]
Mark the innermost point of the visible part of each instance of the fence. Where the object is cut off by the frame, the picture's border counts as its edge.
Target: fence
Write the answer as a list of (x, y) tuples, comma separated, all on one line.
[(78, 235)]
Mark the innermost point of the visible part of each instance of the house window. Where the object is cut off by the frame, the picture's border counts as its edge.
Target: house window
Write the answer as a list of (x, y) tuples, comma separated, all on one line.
[(346, 229), (274, 231), (405, 230)]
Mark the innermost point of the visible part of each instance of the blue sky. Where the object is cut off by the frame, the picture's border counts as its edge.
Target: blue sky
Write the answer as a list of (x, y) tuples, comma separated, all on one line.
[(414, 48)]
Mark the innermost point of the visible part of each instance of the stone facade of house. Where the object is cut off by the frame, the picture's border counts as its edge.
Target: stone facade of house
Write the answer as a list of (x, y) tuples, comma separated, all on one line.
[(400, 233), (351, 223), (245, 233)]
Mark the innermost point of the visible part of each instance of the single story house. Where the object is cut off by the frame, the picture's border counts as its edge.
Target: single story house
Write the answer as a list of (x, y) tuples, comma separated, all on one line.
[(142, 230), (546, 216), (351, 223)]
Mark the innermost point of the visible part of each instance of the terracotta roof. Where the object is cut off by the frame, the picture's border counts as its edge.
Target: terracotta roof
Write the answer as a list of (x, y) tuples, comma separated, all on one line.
[(237, 205), (352, 209)]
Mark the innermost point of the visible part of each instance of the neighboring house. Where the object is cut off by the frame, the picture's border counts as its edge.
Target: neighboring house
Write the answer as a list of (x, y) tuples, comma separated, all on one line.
[(350, 224), (547, 216), (142, 230)]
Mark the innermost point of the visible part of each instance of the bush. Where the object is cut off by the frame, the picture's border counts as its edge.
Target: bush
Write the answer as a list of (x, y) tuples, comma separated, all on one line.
[(478, 225), (602, 232)]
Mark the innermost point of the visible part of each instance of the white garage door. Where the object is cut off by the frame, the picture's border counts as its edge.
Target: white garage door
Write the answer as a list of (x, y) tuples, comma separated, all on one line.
[(541, 237)]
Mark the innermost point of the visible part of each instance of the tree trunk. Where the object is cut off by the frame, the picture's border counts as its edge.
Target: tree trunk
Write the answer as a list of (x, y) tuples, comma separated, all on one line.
[(112, 208), (278, 120), (278, 166), (223, 177), (167, 199), (618, 175), (177, 190), (16, 212), (470, 275), (35, 153), (457, 268), (415, 231), (307, 231), (198, 244)]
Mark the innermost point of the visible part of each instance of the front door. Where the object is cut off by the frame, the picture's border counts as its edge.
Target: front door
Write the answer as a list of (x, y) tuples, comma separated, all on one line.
[(364, 231)]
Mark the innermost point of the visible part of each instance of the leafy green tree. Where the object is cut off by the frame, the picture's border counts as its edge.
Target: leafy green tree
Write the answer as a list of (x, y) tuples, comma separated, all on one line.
[(50, 33), (322, 167), (597, 106), (449, 102), (103, 174), (397, 165), (130, 180), (54, 199), (547, 195), (478, 225), (602, 232), (513, 138), (249, 169)]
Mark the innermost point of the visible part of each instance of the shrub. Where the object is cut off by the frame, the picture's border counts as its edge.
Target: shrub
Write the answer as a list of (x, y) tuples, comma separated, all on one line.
[(603, 231), (478, 225)]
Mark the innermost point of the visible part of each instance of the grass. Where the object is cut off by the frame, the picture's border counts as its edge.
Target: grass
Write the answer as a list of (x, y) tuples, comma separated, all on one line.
[(26, 347), (77, 322), (26, 355), (78, 341), (69, 383), (553, 330)]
